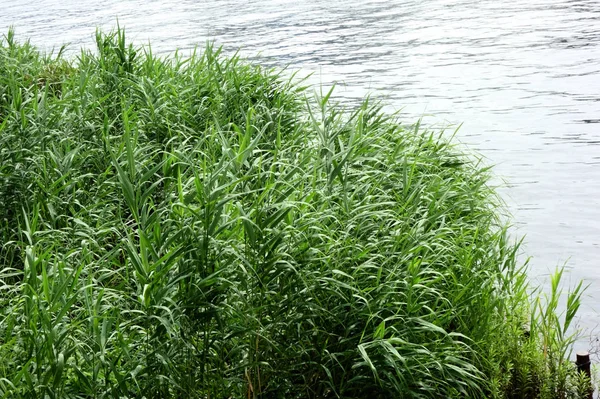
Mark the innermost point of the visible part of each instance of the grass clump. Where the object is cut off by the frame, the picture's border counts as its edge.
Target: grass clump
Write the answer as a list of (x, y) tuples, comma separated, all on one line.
[(195, 227)]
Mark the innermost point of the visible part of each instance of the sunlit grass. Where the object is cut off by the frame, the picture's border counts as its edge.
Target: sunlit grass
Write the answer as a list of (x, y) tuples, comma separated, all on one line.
[(203, 228)]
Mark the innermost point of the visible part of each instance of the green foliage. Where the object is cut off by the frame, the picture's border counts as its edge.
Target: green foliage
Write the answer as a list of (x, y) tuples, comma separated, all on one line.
[(196, 227)]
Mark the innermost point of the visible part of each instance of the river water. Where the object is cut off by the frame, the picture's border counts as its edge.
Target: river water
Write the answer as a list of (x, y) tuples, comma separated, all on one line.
[(523, 76)]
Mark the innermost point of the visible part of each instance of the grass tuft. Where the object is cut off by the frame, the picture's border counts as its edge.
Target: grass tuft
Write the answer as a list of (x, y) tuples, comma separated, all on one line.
[(202, 227)]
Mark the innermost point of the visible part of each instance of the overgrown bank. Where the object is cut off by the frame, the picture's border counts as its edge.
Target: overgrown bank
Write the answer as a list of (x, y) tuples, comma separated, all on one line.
[(194, 227)]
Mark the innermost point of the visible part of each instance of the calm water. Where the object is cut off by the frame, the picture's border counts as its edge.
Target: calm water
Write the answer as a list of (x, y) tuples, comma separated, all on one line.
[(523, 76)]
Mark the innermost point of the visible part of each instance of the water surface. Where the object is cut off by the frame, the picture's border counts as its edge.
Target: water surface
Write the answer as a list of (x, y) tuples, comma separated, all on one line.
[(523, 76)]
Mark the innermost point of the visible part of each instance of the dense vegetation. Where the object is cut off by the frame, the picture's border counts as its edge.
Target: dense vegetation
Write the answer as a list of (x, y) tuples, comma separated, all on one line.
[(201, 228)]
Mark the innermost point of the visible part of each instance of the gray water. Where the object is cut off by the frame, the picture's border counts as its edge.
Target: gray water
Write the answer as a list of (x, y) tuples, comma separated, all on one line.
[(523, 76)]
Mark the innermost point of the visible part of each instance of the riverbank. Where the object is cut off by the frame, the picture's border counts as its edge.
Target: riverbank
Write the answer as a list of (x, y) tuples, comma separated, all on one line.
[(202, 227)]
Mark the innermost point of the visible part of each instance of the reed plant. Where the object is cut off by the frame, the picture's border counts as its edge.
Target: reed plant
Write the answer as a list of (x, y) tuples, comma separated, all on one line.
[(203, 227)]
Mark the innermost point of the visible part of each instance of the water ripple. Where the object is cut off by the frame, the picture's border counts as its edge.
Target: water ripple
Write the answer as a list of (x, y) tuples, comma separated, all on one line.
[(523, 76)]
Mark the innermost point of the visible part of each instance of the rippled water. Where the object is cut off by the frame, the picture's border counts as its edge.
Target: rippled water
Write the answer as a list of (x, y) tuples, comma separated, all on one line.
[(522, 75)]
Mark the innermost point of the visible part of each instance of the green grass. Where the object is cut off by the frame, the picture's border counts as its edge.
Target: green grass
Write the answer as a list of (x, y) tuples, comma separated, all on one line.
[(201, 227)]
